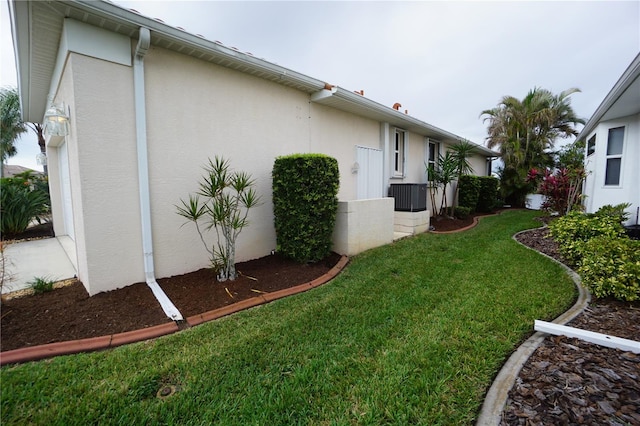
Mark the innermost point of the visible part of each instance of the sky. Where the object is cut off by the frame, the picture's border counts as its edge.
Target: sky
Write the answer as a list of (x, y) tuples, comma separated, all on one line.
[(444, 62)]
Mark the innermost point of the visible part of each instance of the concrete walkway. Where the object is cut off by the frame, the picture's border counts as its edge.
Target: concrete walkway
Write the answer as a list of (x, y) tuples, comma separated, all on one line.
[(49, 258)]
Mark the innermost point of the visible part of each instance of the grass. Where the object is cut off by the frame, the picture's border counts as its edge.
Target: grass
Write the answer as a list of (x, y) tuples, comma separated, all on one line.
[(41, 284), (410, 333)]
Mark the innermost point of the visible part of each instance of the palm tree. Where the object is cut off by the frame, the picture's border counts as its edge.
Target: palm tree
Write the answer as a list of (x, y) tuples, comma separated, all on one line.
[(461, 153), (12, 125), (525, 132)]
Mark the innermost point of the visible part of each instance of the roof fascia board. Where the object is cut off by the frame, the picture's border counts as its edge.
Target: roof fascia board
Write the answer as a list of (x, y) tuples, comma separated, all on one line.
[(117, 13), (92, 41), (392, 116), (626, 79), (20, 17)]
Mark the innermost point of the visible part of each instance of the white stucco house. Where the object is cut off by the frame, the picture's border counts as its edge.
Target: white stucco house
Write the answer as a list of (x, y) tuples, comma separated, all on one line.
[(148, 103), (612, 152)]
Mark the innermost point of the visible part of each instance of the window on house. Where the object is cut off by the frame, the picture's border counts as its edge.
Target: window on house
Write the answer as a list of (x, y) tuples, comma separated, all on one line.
[(614, 156), (399, 148), (591, 145), (432, 156)]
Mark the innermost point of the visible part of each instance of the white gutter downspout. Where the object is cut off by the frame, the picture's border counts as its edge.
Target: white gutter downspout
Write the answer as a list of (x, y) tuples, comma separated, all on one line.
[(143, 175)]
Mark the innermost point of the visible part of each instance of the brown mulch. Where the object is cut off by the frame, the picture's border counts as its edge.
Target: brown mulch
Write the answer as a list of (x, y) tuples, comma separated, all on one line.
[(447, 223), (568, 381), (69, 313)]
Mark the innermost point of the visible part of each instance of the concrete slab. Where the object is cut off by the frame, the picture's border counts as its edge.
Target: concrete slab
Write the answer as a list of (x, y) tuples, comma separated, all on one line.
[(27, 260)]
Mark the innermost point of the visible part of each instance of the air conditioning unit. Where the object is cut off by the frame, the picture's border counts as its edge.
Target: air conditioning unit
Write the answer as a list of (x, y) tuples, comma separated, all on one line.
[(409, 197)]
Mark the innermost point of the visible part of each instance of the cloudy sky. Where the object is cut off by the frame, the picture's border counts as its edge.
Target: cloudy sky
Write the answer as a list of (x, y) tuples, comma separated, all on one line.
[(445, 62)]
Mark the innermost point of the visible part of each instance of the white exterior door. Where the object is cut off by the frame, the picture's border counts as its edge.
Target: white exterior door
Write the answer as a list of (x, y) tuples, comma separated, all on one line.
[(370, 173), (65, 190)]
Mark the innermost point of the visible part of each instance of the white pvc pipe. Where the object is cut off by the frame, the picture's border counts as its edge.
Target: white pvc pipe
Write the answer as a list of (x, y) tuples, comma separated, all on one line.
[(588, 336), (143, 175)]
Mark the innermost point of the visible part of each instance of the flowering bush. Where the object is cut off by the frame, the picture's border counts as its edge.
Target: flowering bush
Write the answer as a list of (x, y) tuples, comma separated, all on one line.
[(562, 189)]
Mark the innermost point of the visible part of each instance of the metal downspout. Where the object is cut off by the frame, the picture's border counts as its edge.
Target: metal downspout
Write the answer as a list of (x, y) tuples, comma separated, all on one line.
[(143, 174)]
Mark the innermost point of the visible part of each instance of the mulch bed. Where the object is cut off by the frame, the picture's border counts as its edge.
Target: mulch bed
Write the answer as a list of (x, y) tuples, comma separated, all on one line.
[(447, 223), (568, 381), (69, 313)]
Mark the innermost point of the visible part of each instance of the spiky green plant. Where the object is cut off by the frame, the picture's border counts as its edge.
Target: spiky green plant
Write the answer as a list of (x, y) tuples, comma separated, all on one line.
[(223, 203)]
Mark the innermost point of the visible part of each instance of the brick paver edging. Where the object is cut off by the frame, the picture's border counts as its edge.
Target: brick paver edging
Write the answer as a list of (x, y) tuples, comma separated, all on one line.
[(50, 350)]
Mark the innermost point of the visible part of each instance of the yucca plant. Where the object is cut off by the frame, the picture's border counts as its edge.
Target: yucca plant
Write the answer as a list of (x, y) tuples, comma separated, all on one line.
[(22, 199), (222, 203)]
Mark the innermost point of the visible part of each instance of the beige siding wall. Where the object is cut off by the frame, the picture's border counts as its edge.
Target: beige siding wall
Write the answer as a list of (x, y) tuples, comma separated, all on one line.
[(195, 110), (479, 165), (198, 110), (104, 176), (337, 134)]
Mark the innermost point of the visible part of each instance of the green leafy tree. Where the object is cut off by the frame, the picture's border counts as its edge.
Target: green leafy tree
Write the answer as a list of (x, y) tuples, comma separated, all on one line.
[(223, 203), (525, 132), (11, 125), (571, 156)]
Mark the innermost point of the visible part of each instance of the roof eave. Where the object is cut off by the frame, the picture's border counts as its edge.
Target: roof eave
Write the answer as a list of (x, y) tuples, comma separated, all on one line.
[(345, 100), (624, 82)]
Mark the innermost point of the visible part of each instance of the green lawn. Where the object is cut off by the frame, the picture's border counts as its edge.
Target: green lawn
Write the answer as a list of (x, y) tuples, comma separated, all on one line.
[(410, 333)]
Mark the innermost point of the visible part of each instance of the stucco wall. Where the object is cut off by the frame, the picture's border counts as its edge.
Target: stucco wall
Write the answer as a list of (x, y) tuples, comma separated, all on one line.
[(197, 110), (337, 134), (363, 224), (65, 94), (599, 194), (104, 173)]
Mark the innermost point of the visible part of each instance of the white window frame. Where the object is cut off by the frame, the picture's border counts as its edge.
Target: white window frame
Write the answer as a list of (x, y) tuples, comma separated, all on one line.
[(591, 145), (434, 161), (399, 153), (614, 157)]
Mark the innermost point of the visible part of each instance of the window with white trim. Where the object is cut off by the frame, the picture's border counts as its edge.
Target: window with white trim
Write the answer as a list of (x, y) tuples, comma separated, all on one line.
[(432, 154), (614, 156), (399, 152), (591, 145)]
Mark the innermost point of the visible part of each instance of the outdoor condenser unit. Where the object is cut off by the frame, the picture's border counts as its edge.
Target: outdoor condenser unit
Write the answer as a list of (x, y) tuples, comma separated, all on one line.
[(409, 197)]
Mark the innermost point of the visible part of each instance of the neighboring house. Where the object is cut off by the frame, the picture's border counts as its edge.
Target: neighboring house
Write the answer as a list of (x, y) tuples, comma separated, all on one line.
[(612, 152), (10, 170), (149, 103)]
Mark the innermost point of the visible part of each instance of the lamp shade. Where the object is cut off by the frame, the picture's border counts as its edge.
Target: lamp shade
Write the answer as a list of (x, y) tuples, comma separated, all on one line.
[(56, 121)]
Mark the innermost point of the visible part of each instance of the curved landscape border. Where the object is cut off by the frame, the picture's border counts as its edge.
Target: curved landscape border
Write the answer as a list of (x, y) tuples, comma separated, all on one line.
[(50, 350), (496, 398), (473, 224)]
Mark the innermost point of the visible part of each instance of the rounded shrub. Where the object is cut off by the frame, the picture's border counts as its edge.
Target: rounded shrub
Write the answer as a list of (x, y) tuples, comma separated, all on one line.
[(305, 202), (610, 266), (573, 230), (462, 212)]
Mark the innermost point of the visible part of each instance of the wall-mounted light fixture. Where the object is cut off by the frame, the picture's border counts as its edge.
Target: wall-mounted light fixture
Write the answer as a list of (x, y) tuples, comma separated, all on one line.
[(41, 159), (56, 121)]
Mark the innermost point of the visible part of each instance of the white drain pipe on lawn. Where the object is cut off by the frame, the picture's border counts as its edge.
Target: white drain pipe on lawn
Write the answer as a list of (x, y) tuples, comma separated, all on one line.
[(143, 174)]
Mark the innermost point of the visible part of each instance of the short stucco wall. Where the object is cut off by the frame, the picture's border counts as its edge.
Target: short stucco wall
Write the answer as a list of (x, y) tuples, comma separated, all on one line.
[(363, 224), (411, 222)]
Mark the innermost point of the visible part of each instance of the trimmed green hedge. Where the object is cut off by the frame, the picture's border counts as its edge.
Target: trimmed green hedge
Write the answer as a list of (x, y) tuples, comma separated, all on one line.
[(488, 194), (468, 192), (305, 202)]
